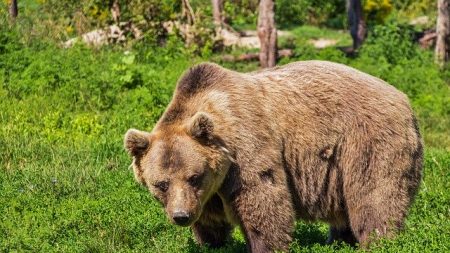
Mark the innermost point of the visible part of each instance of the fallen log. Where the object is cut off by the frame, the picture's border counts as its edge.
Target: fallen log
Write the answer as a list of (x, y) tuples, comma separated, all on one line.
[(428, 40)]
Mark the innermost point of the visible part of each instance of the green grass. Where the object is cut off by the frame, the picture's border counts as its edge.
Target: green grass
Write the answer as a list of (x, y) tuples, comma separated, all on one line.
[(307, 32), (65, 185)]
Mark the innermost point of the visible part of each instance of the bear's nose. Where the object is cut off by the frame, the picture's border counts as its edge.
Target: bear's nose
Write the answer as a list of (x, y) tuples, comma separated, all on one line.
[(181, 218)]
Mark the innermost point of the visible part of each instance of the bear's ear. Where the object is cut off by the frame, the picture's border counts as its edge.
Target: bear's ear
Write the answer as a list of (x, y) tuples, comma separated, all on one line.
[(201, 126), (136, 142)]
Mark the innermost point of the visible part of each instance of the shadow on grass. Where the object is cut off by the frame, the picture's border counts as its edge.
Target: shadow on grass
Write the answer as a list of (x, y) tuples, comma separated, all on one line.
[(306, 235), (232, 246)]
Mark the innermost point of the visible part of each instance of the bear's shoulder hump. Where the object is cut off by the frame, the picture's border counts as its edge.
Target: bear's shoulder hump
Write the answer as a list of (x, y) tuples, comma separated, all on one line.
[(199, 78)]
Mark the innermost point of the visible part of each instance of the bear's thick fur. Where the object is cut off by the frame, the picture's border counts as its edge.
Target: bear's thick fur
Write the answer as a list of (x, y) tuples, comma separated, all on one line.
[(312, 140)]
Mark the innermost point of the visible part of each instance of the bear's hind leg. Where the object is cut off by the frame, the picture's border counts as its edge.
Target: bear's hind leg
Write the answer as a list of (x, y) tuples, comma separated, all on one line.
[(379, 187), (369, 222)]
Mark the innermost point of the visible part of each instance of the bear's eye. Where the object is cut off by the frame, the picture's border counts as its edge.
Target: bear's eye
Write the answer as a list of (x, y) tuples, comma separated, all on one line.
[(162, 186), (195, 180)]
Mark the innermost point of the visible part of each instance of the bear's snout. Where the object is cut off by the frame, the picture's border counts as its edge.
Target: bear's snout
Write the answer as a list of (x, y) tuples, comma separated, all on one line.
[(181, 218)]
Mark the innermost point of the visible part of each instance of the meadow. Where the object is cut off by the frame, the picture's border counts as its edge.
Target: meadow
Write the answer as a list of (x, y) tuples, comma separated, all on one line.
[(65, 182)]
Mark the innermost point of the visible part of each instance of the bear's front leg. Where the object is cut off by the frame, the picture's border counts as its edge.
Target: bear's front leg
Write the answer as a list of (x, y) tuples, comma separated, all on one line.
[(266, 216), (213, 235)]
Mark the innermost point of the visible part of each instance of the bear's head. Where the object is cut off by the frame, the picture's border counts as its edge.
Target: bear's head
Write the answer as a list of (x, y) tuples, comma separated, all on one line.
[(182, 165)]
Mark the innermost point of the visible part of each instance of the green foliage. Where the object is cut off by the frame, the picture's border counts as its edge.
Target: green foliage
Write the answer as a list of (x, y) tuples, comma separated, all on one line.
[(244, 13), (60, 20), (376, 11), (410, 9), (391, 42), (241, 13), (289, 13)]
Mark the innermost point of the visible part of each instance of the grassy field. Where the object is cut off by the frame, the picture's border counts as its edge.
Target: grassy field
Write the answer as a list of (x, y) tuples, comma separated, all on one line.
[(65, 185)]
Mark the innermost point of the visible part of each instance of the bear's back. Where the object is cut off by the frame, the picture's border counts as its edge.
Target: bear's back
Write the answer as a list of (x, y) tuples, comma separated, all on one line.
[(321, 90), (304, 74)]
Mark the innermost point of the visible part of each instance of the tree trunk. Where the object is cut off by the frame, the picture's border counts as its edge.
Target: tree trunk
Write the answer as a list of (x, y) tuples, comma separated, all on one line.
[(356, 22), (115, 10), (217, 12), (223, 31), (187, 12), (13, 10), (267, 33), (217, 6), (443, 32)]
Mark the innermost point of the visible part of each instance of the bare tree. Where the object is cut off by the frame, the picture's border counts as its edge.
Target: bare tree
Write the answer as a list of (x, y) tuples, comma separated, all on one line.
[(13, 10), (443, 32), (267, 33), (356, 22)]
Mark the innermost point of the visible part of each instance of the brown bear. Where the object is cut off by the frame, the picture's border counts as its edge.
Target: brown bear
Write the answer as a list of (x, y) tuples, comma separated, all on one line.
[(310, 140)]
